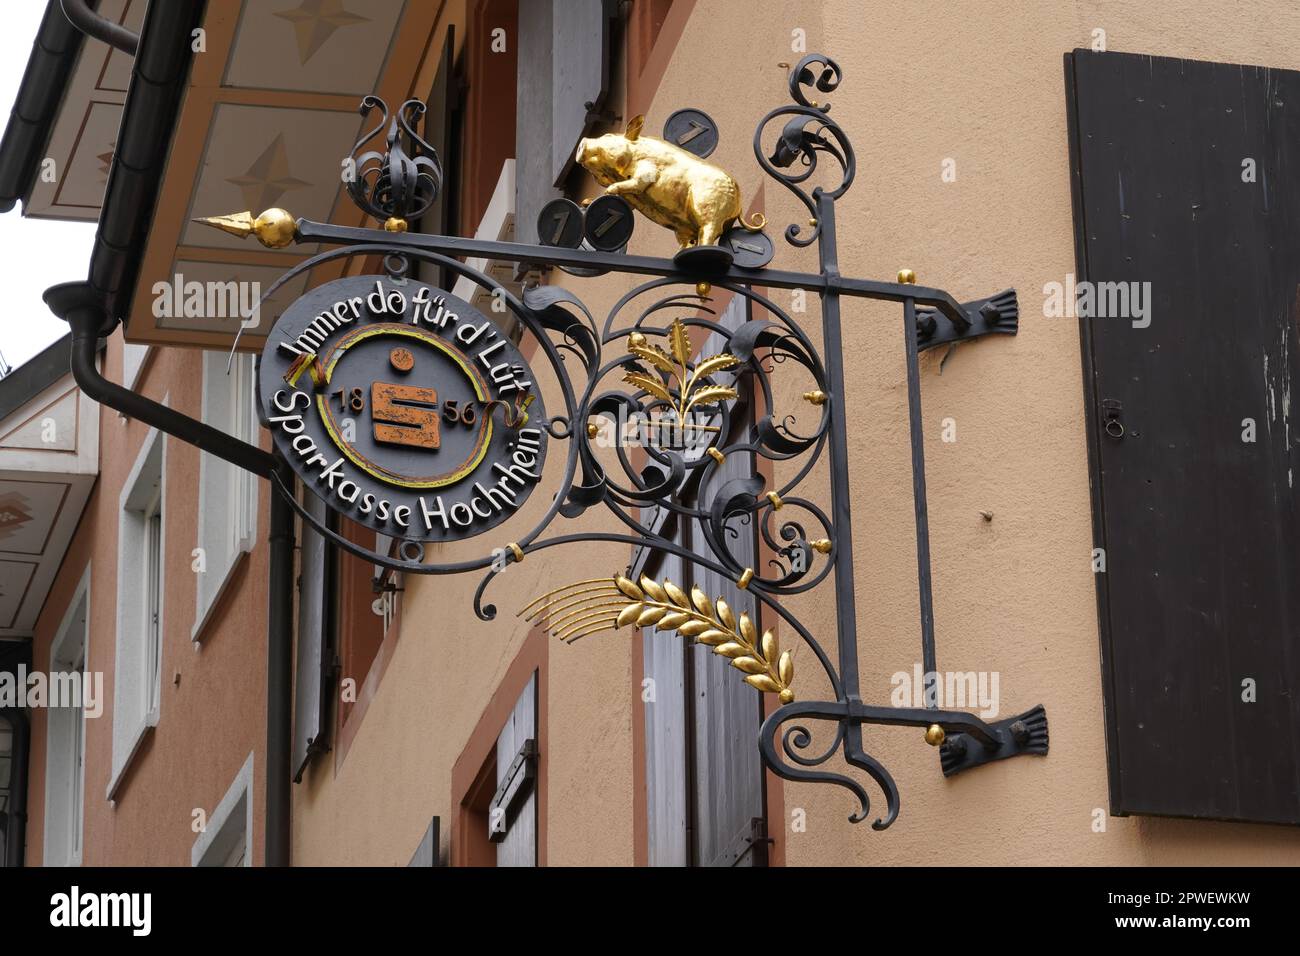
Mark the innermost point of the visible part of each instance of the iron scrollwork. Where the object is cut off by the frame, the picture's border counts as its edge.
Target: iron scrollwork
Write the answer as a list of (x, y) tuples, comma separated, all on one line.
[(645, 361)]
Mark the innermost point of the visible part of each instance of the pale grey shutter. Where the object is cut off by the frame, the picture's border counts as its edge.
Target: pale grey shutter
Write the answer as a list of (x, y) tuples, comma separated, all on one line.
[(516, 746), (728, 770), (426, 854), (579, 76), (534, 183), (563, 81), (704, 777), (667, 804), (315, 664)]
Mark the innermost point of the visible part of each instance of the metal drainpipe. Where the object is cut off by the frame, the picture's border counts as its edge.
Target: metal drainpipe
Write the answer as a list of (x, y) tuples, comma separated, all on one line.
[(279, 674), (82, 308), (92, 24)]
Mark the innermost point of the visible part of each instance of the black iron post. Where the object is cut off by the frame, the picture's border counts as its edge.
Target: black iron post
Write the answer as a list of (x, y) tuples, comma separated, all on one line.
[(846, 616), (920, 508)]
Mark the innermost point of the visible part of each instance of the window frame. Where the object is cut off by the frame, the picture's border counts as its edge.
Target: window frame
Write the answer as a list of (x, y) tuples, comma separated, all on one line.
[(227, 498), (145, 488), (70, 777), (232, 817)]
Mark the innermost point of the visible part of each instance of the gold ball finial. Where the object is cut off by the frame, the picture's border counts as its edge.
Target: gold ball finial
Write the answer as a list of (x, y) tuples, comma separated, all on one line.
[(821, 545), (815, 397), (393, 224), (907, 276), (636, 339), (592, 429), (702, 289), (275, 228), (934, 735)]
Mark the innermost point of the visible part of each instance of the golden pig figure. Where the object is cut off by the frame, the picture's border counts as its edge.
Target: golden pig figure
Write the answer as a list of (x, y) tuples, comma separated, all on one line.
[(667, 184)]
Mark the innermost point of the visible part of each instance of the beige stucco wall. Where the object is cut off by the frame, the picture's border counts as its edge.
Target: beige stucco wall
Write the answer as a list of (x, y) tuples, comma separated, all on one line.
[(979, 83)]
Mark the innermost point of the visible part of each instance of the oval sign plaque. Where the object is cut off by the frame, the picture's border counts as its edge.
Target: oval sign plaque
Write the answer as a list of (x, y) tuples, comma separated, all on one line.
[(403, 407)]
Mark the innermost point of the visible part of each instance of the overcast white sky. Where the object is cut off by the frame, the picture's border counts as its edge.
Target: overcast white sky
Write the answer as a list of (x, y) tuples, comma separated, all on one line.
[(34, 253)]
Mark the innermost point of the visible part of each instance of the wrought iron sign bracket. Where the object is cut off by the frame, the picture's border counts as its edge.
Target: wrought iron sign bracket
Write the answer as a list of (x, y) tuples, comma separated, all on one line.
[(454, 406), (940, 318)]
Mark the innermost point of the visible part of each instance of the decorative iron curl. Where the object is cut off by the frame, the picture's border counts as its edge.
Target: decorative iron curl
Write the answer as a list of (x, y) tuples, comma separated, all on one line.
[(808, 133), (404, 180), (848, 737)]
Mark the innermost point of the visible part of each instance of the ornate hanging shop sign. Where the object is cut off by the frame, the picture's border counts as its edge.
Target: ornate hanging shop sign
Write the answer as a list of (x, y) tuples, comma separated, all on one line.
[(403, 407), (411, 412)]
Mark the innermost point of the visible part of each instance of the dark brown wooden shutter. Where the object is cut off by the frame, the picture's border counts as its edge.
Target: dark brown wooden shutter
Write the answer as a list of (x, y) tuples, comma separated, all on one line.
[(1185, 176)]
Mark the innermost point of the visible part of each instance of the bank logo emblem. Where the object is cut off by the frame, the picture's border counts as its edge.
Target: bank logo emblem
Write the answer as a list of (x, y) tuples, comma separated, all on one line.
[(403, 407)]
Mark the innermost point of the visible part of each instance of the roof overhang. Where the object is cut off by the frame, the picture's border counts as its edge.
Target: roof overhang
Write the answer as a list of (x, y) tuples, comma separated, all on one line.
[(268, 115), (49, 459)]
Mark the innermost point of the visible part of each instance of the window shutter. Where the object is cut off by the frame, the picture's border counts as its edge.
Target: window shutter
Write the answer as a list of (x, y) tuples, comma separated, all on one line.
[(1192, 460), (667, 806), (426, 854), (704, 778), (728, 773), (315, 662), (519, 845), (564, 64), (579, 76), (534, 179), (216, 490)]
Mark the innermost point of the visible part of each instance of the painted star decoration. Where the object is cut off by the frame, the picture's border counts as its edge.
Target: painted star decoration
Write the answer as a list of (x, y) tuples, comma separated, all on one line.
[(268, 178), (314, 22)]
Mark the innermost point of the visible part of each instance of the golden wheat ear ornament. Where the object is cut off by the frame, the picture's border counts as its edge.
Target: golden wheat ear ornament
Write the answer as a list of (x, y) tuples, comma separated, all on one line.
[(606, 604), (672, 372)]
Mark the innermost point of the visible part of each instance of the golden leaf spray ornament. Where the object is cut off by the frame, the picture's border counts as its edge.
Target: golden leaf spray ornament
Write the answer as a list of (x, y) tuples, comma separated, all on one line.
[(672, 371), (606, 604)]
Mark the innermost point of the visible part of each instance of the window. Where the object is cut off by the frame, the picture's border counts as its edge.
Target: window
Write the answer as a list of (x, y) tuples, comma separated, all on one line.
[(316, 657), (227, 838), (133, 358), (227, 520), (363, 615), (7, 774), (347, 609), (141, 587), (704, 779), (152, 600), (498, 782), (498, 812), (65, 775)]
